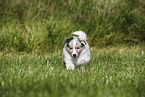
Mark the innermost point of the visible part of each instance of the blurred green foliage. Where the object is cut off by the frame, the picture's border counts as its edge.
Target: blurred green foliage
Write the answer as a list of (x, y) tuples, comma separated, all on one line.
[(41, 25)]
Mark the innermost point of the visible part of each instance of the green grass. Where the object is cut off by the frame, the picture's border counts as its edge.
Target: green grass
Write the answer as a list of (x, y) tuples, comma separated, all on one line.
[(112, 72), (31, 41), (39, 25)]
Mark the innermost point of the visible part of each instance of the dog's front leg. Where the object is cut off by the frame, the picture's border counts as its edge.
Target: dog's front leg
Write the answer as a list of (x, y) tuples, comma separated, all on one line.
[(70, 66)]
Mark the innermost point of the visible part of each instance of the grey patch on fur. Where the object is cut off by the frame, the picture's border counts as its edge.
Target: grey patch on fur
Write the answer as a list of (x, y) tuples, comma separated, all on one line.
[(67, 40)]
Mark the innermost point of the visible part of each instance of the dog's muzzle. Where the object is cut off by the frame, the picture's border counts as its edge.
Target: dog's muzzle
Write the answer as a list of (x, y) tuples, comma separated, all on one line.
[(74, 55)]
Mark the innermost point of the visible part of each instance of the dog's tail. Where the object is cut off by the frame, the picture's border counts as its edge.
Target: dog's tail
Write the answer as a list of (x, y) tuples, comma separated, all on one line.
[(81, 35)]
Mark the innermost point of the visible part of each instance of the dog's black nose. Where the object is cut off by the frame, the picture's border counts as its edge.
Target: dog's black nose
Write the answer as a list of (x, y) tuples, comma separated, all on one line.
[(74, 55)]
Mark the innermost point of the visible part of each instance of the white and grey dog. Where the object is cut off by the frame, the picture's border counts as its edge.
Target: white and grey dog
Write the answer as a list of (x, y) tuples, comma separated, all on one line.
[(76, 50)]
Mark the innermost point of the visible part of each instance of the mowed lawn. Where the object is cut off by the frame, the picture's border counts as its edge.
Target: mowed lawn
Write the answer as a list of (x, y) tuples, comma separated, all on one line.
[(112, 72)]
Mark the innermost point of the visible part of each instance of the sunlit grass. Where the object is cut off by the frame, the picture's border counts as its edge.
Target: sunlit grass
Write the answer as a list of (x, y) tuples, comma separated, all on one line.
[(117, 72)]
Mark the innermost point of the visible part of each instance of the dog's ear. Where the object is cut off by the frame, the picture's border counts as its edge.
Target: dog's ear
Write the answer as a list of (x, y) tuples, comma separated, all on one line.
[(67, 40)]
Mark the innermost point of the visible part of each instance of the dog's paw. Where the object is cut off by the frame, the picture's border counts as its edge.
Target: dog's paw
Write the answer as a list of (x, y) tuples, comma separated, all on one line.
[(70, 67)]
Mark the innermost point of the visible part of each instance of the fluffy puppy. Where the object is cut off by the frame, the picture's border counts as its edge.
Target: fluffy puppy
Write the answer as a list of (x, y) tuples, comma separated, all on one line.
[(76, 50)]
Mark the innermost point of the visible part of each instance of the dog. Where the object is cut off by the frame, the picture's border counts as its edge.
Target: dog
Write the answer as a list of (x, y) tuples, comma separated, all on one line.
[(76, 50)]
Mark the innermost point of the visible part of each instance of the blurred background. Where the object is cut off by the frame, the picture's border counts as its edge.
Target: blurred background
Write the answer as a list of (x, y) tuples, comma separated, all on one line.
[(42, 25)]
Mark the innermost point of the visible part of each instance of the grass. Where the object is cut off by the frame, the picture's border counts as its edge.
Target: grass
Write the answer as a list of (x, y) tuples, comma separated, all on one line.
[(31, 40), (112, 72), (39, 25)]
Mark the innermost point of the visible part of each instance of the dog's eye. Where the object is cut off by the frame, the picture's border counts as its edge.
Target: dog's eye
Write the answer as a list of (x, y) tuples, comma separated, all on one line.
[(82, 45), (70, 48), (77, 48)]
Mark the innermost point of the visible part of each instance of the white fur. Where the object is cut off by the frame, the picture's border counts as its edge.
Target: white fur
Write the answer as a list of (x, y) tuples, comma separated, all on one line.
[(81, 34), (84, 56)]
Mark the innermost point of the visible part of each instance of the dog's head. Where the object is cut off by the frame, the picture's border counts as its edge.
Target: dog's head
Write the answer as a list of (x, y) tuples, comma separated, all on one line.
[(74, 46)]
